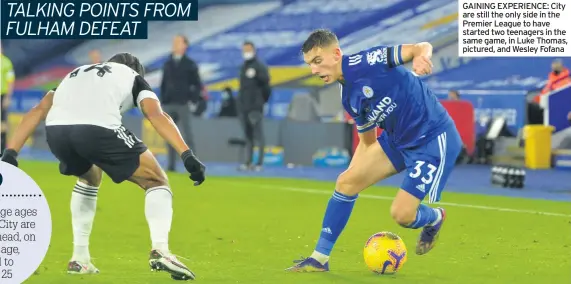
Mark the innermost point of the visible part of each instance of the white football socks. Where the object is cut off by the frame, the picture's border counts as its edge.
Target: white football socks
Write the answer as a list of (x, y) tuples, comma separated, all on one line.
[(322, 258), (83, 206), (158, 210)]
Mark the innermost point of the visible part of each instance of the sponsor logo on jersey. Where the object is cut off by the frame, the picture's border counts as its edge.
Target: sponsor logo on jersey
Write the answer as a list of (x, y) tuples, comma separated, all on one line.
[(382, 110), (377, 56)]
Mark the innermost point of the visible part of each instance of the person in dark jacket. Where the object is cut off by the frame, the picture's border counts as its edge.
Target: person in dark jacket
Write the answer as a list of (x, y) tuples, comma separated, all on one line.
[(228, 108), (254, 93), (181, 87)]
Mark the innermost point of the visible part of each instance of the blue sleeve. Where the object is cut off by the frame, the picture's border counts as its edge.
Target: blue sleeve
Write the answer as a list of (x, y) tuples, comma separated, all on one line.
[(361, 121), (363, 125), (389, 56)]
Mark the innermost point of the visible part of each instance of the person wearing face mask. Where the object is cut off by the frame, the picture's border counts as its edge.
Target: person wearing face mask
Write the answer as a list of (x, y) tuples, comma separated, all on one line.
[(181, 87), (228, 108), (254, 92)]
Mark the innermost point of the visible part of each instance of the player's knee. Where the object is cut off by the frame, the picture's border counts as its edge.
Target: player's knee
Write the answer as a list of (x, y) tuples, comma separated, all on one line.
[(348, 184), (403, 215), (154, 179), (149, 174), (159, 180), (92, 177), (90, 182)]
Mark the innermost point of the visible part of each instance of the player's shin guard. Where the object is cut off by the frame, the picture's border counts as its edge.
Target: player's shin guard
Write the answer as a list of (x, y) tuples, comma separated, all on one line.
[(158, 211), (425, 215), (83, 206), (336, 217)]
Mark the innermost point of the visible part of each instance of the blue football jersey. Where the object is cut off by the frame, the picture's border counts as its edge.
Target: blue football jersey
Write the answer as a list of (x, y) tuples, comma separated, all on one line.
[(378, 91)]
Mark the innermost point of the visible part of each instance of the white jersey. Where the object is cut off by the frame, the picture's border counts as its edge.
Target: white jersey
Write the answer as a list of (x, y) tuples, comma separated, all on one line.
[(98, 95)]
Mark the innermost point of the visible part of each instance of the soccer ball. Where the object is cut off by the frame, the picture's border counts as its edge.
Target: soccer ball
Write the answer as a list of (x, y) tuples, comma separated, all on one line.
[(385, 253)]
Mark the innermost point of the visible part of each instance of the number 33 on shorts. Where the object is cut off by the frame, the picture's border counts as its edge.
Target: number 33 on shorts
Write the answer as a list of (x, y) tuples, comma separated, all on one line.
[(428, 175), (427, 178)]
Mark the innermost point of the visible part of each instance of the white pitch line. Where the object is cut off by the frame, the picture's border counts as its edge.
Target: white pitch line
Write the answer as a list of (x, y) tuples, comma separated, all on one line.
[(368, 196)]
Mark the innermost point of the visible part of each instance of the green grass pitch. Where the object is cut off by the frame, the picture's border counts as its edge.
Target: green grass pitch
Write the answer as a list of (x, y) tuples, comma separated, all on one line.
[(240, 230)]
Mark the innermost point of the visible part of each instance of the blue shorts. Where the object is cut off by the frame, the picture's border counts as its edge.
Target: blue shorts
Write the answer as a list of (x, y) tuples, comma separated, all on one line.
[(428, 166)]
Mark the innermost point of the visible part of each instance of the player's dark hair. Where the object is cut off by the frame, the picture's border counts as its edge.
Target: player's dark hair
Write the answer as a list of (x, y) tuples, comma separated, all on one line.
[(319, 38), (130, 60)]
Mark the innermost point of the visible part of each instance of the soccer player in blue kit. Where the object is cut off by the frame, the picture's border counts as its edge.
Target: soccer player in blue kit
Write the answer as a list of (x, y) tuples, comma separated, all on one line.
[(419, 136)]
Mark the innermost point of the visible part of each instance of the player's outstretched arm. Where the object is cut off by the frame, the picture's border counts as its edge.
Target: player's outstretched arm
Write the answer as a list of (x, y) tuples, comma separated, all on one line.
[(30, 122), (166, 127), (163, 124), (420, 55), (410, 51)]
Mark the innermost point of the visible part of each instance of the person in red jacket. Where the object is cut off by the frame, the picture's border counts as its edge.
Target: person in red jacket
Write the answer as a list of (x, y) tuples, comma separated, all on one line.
[(559, 77)]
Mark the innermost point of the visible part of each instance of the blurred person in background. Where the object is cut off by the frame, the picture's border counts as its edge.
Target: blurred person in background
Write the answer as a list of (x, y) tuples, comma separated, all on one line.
[(181, 89), (95, 56), (558, 78), (228, 108), (7, 87), (453, 95), (254, 92)]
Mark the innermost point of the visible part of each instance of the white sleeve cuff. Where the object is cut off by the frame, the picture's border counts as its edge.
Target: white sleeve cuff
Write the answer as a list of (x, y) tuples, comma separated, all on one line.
[(145, 94)]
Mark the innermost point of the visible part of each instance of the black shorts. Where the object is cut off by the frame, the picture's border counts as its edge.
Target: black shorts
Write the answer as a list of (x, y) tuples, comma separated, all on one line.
[(78, 147), (3, 112)]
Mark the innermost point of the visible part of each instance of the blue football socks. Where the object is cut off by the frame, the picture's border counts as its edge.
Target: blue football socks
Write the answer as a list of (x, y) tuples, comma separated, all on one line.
[(425, 216), (337, 214)]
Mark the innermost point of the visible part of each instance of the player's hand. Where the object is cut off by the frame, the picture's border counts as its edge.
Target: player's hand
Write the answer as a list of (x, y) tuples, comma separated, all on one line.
[(421, 65), (194, 166), (9, 156)]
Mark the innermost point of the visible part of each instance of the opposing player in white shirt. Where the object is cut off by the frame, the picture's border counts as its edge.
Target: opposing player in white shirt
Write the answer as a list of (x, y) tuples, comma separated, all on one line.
[(84, 132)]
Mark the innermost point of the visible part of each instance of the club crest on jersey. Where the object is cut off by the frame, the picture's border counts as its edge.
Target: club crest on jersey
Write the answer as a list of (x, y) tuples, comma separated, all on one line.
[(368, 92)]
